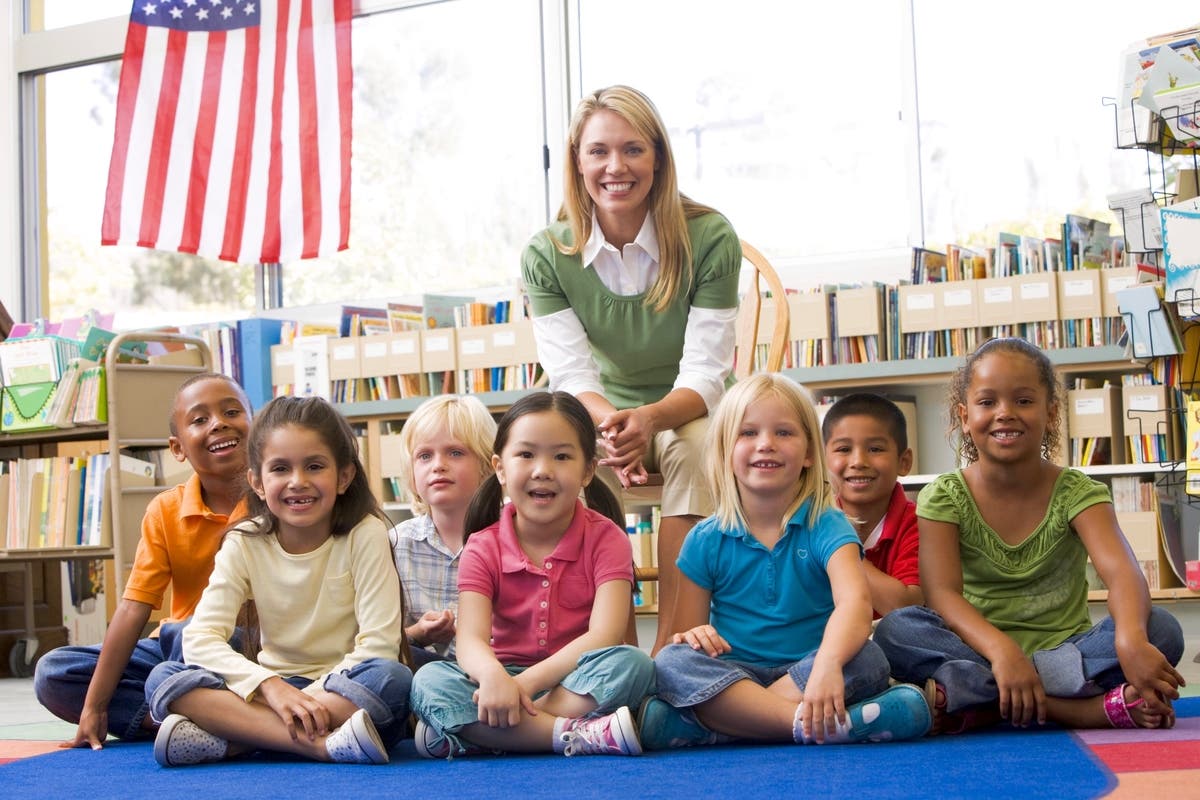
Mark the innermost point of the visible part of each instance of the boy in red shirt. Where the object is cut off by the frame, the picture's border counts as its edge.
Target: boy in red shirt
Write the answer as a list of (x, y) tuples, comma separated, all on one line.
[(866, 448)]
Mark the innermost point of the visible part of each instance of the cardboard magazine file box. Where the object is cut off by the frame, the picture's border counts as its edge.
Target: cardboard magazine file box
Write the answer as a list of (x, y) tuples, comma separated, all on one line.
[(489, 355), (1036, 297), (859, 312), (956, 305), (391, 459), (918, 308), (345, 358), (1080, 294), (374, 361), (1098, 414), (808, 317), (997, 301), (439, 359), (1141, 531), (404, 361), (1147, 412), (1111, 282), (283, 367)]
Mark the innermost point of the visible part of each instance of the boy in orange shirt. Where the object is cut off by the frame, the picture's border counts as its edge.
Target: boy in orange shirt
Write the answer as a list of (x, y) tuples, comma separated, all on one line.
[(102, 688), (866, 449)]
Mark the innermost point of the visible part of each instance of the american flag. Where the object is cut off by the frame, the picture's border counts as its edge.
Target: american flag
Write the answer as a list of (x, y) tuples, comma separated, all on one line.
[(233, 130)]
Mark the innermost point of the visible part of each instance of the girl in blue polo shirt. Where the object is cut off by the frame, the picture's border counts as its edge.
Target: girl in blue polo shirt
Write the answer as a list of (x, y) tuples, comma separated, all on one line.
[(773, 609)]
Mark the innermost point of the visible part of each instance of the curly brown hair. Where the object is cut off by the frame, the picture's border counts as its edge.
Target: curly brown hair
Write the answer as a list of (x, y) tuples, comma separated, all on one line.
[(1051, 440)]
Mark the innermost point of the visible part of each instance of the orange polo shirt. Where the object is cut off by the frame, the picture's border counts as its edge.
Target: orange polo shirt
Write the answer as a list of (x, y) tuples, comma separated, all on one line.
[(180, 539)]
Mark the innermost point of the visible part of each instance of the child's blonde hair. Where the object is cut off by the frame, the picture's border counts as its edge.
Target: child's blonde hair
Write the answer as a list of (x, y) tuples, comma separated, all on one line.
[(723, 434), (464, 417)]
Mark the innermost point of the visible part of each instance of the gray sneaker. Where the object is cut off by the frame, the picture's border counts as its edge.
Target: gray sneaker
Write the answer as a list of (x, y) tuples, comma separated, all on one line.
[(661, 726), (356, 741), (181, 742), (430, 745)]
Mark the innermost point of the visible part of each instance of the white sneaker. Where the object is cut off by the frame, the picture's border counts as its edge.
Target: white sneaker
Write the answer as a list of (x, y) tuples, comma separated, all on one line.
[(356, 741), (612, 735), (181, 742)]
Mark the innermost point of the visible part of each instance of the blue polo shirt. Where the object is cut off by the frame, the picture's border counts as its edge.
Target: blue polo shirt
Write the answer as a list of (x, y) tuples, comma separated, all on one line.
[(770, 605)]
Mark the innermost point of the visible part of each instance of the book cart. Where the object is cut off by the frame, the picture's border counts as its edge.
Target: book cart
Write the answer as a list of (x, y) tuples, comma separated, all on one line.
[(138, 404)]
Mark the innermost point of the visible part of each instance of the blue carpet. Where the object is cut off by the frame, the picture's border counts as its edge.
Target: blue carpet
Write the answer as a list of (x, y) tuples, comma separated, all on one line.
[(1005, 763)]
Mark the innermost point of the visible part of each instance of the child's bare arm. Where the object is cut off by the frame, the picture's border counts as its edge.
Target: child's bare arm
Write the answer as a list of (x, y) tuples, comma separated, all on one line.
[(845, 634), (119, 641), (888, 593), (1022, 697), (1129, 605), (499, 697), (606, 628), (691, 616)]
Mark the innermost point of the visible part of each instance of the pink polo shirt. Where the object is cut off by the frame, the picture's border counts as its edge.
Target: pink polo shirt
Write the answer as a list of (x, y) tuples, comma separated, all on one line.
[(539, 608)]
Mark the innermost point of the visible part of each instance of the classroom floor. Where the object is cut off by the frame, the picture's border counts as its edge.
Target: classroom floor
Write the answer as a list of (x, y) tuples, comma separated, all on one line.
[(23, 719)]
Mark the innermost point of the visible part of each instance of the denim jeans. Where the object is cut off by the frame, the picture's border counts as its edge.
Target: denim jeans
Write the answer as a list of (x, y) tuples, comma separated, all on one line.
[(62, 676), (920, 646), (612, 676), (379, 685), (688, 677)]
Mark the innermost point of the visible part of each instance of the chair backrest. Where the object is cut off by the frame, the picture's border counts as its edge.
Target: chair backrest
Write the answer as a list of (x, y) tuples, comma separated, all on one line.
[(750, 314)]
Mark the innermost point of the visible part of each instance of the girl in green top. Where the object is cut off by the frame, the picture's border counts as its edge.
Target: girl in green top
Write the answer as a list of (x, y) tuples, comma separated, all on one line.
[(1004, 543), (633, 293)]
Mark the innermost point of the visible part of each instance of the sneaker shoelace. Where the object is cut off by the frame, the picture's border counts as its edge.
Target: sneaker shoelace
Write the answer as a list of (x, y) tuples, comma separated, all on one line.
[(589, 738)]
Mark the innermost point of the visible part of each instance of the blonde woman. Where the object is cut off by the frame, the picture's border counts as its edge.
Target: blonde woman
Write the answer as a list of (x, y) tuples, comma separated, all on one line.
[(634, 297)]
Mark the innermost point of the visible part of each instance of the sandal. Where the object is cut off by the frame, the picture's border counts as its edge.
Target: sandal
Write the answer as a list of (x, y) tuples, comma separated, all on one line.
[(1117, 710)]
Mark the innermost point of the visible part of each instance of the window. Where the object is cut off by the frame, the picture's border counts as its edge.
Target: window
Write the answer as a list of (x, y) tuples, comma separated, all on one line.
[(1013, 132), (788, 122), (144, 287), (61, 13), (448, 183)]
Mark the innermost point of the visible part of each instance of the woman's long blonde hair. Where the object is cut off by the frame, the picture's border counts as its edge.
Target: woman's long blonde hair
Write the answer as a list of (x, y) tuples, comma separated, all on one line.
[(723, 433), (671, 209)]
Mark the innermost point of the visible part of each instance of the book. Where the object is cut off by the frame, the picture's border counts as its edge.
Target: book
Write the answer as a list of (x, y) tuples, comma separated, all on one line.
[(255, 337), (312, 366), (439, 310), (1086, 243), (1181, 259)]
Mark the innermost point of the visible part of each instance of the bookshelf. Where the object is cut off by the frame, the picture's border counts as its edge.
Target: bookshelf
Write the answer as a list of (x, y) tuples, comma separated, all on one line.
[(138, 401)]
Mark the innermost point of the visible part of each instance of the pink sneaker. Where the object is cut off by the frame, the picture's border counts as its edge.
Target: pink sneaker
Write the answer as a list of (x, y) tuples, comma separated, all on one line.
[(611, 735)]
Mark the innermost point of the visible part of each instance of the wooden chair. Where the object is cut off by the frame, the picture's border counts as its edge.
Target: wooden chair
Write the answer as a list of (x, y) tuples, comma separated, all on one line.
[(750, 316)]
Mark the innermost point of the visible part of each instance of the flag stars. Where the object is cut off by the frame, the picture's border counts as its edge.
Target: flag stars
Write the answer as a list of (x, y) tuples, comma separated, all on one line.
[(249, 9), (202, 14), (150, 9), (176, 13), (189, 3), (226, 12)]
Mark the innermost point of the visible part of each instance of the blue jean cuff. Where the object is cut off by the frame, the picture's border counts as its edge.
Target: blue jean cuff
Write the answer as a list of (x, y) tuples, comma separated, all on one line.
[(339, 684), (135, 730), (177, 685)]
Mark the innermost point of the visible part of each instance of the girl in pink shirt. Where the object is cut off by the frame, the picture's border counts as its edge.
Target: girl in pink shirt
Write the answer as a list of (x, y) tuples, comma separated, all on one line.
[(544, 597)]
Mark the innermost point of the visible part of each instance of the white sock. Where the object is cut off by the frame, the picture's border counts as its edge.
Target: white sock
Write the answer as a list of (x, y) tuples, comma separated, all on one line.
[(557, 740), (840, 735)]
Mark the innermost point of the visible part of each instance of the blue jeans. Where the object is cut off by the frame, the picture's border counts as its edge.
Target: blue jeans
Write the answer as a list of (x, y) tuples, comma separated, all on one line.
[(62, 676), (688, 677), (920, 646), (612, 676), (379, 685)]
